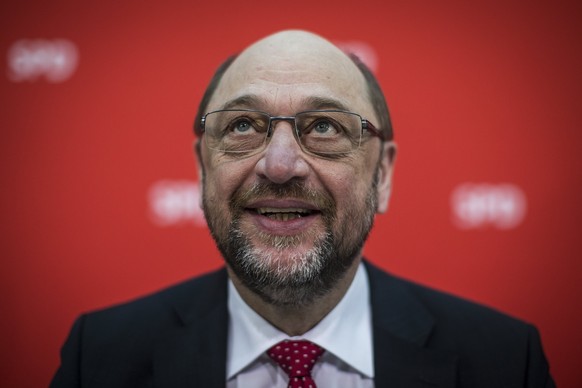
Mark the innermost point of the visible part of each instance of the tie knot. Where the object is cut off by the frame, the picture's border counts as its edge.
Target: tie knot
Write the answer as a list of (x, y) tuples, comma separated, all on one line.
[(296, 358)]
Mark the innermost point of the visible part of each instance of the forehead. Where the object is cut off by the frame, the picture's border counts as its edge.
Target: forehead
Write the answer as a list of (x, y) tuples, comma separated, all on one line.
[(290, 72)]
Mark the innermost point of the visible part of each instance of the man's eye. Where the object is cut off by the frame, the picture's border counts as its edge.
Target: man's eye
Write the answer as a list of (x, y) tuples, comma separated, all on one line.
[(242, 125), (324, 127)]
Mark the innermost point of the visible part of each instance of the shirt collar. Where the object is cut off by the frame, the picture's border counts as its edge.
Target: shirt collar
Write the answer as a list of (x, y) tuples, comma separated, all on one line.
[(349, 323)]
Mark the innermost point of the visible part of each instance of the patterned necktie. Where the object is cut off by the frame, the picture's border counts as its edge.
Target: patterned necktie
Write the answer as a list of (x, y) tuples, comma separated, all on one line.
[(296, 358)]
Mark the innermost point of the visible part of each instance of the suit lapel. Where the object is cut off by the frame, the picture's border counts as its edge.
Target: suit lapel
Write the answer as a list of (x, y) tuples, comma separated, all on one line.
[(194, 353), (401, 329)]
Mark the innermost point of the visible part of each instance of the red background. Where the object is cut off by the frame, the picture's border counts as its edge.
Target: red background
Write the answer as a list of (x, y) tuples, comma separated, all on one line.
[(485, 92)]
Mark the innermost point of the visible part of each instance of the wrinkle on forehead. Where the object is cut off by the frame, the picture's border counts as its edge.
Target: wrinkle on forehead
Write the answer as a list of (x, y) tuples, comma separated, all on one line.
[(290, 65)]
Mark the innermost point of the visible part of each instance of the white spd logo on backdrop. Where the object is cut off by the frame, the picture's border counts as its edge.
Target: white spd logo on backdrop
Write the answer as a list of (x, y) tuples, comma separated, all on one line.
[(55, 60), (175, 202), (479, 205)]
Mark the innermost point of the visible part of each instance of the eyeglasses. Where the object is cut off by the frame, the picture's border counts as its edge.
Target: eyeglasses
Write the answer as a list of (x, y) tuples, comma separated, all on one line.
[(328, 133)]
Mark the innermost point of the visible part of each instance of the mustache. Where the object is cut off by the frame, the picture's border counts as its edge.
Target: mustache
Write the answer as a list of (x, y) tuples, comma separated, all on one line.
[(291, 189)]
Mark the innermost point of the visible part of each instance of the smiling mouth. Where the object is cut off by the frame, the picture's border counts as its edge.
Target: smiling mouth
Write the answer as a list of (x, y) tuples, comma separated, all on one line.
[(283, 214)]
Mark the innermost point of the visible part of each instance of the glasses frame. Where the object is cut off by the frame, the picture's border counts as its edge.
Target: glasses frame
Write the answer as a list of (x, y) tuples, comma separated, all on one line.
[(366, 125)]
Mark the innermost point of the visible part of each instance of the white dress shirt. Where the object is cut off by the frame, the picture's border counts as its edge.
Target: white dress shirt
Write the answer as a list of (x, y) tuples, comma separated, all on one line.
[(345, 333)]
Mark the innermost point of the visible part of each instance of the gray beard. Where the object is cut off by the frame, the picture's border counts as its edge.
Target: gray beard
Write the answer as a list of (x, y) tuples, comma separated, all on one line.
[(305, 277)]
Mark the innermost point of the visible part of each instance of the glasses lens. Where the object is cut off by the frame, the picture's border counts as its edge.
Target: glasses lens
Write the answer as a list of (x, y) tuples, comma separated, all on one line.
[(329, 132), (236, 131)]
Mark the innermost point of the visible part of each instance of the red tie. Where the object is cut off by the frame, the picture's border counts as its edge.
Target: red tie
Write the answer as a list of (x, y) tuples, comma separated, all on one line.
[(296, 358)]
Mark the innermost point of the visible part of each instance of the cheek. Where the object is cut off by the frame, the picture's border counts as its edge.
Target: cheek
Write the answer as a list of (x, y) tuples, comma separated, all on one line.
[(348, 182), (224, 177)]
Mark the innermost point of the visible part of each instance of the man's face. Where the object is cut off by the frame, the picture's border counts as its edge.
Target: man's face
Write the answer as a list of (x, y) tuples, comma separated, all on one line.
[(288, 224)]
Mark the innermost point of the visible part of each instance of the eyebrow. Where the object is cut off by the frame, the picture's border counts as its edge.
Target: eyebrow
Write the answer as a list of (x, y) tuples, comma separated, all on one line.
[(318, 102), (252, 101), (248, 101)]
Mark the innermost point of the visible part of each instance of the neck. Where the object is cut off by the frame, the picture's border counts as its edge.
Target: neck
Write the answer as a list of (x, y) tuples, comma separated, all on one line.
[(296, 320)]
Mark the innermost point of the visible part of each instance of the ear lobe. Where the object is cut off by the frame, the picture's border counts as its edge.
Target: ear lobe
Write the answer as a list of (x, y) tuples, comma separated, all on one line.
[(384, 178)]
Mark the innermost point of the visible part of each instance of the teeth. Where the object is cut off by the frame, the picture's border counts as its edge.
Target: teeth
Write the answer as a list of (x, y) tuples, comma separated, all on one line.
[(280, 214), (263, 210), (283, 216)]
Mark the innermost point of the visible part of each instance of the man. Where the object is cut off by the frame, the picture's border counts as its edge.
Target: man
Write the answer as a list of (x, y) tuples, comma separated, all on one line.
[(296, 157)]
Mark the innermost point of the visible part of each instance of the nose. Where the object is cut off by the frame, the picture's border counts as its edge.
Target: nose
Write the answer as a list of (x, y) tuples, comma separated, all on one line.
[(283, 159)]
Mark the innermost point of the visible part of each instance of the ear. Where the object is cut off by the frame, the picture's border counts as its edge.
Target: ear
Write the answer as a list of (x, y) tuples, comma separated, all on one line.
[(385, 170), (200, 168)]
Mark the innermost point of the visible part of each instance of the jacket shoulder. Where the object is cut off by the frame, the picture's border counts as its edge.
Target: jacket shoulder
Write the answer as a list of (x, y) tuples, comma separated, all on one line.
[(115, 346), (178, 302), (446, 309), (482, 338), (136, 326)]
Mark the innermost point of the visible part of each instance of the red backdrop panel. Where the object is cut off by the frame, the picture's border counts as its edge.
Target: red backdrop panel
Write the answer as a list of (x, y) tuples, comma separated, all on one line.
[(99, 188)]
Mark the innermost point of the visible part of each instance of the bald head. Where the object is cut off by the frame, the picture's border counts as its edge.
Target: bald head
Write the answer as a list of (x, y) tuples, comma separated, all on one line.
[(280, 73), (294, 42), (299, 53), (284, 73)]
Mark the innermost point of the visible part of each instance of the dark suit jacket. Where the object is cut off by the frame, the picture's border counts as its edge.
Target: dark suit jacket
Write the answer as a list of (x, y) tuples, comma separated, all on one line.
[(422, 338)]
